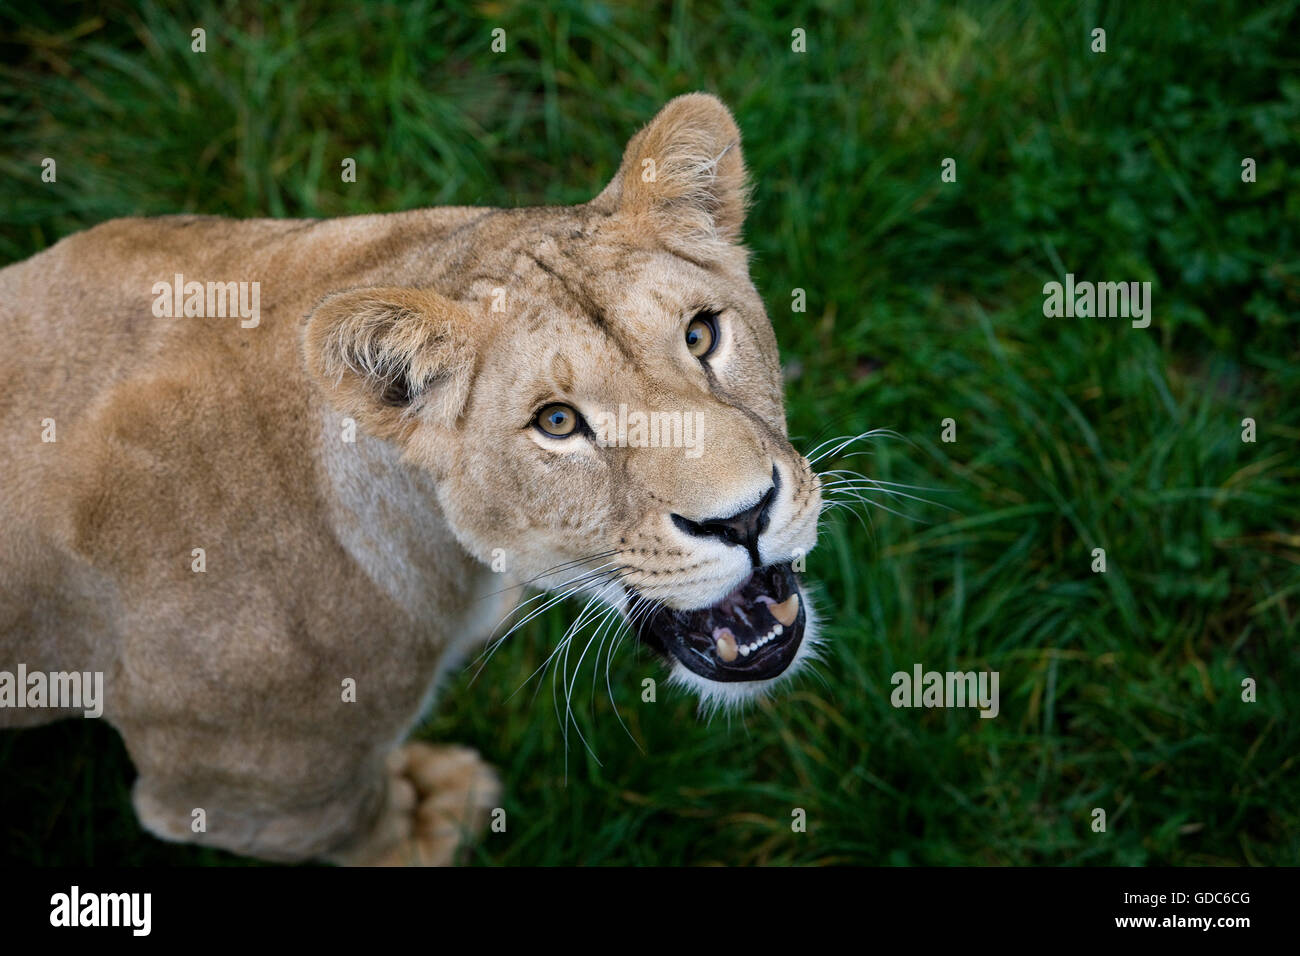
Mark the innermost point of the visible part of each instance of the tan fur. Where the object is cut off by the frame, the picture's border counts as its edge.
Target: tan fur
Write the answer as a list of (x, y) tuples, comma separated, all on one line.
[(328, 560)]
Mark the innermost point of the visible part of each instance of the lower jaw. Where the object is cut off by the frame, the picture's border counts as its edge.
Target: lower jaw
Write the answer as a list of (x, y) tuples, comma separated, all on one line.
[(766, 668), (768, 663)]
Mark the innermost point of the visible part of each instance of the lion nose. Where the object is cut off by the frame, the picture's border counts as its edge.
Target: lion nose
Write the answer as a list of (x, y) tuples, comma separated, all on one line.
[(742, 528)]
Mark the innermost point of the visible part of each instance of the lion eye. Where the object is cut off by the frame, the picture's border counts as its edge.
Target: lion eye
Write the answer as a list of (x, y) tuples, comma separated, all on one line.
[(557, 421), (702, 334)]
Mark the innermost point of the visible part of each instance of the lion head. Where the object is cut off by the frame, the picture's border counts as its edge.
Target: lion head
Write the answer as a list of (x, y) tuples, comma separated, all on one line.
[(598, 393)]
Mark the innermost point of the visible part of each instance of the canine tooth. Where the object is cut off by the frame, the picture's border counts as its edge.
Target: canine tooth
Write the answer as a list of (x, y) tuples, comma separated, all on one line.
[(786, 611), (726, 644)]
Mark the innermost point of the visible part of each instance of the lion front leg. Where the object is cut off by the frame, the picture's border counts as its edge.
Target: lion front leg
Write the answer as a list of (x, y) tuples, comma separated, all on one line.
[(417, 805)]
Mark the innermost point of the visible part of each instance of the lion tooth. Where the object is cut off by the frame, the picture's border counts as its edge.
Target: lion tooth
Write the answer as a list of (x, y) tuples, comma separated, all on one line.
[(786, 611), (726, 644)]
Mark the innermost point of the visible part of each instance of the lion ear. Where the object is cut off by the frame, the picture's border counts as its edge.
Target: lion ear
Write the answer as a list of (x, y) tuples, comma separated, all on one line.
[(385, 355), (684, 175)]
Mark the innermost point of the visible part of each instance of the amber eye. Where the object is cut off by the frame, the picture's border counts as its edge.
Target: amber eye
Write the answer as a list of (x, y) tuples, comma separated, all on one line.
[(558, 421), (702, 334)]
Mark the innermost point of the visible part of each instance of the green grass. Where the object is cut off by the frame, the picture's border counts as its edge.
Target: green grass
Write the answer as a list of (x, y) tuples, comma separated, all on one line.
[(1119, 691)]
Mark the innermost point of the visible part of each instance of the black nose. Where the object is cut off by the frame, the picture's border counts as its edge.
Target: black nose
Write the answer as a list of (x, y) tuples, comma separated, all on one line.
[(742, 528)]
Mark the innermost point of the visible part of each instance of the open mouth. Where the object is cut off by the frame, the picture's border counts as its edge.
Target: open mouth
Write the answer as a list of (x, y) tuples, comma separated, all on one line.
[(751, 634)]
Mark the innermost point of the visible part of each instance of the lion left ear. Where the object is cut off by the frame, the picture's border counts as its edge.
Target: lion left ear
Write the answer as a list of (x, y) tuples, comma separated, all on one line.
[(684, 175), (383, 353)]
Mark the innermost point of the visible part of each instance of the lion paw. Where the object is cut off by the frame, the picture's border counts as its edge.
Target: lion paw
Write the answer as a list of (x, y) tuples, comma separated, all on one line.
[(439, 799)]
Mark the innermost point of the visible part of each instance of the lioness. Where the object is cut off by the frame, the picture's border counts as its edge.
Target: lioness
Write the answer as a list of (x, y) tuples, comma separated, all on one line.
[(272, 536)]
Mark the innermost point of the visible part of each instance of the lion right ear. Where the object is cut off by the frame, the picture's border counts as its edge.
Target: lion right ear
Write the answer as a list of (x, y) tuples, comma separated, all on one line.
[(388, 355), (683, 176)]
